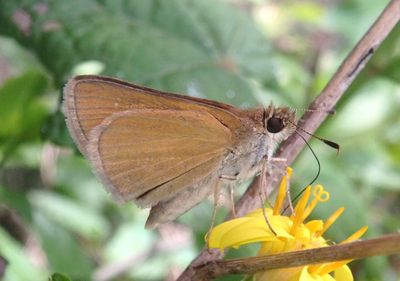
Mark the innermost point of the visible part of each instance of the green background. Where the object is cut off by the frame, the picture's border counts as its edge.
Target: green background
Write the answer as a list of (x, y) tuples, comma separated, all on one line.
[(54, 214)]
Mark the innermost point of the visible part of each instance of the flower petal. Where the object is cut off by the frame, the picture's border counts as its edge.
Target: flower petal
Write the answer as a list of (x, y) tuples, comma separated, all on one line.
[(306, 276), (343, 273), (237, 232)]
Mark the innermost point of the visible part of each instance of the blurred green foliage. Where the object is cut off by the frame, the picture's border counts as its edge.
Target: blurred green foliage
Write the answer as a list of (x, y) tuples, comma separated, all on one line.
[(58, 277), (54, 214)]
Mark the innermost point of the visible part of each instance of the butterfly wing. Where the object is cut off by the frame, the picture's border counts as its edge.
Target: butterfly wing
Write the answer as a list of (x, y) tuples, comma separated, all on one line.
[(151, 154), (168, 210), (88, 100)]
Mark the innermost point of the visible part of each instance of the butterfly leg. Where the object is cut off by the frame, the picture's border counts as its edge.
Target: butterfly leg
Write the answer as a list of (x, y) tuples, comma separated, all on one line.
[(216, 194), (268, 165), (231, 180), (232, 200), (263, 193), (278, 162), (288, 197)]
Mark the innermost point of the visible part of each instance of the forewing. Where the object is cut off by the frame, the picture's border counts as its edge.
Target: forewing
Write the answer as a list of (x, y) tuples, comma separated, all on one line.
[(88, 100), (137, 152)]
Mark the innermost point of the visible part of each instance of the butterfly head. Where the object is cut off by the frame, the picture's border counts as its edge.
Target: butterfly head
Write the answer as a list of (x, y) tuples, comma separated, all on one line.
[(279, 122)]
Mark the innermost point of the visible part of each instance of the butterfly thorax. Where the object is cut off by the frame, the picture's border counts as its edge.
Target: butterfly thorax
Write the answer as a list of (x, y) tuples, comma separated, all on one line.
[(262, 132)]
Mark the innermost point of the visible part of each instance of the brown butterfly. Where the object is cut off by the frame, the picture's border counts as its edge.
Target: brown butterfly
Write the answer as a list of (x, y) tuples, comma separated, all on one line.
[(167, 151)]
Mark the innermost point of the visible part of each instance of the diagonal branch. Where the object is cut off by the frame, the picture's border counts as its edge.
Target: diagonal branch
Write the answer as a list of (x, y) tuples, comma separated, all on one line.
[(328, 98), (385, 245)]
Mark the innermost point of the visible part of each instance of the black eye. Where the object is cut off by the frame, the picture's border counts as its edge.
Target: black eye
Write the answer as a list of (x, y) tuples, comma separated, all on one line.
[(274, 125)]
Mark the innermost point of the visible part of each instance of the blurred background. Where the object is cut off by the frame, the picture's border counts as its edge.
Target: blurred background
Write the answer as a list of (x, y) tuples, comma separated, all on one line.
[(54, 214)]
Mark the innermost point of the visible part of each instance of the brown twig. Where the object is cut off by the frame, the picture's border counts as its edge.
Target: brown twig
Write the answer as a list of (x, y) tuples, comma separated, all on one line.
[(311, 120), (385, 245), (171, 237), (3, 266)]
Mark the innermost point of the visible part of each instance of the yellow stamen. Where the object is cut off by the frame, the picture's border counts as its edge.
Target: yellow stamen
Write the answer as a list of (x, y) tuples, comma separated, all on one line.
[(326, 268), (356, 235), (314, 269), (331, 220), (282, 192), (297, 217), (320, 195), (329, 267)]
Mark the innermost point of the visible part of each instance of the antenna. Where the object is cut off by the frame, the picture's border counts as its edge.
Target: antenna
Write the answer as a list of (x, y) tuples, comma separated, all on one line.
[(328, 142), (327, 111), (318, 172)]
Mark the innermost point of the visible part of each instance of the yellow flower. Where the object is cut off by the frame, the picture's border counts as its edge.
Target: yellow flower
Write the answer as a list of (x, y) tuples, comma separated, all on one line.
[(288, 233)]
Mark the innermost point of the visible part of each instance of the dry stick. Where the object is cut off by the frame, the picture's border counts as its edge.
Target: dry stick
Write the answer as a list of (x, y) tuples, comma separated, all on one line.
[(113, 270), (311, 120), (3, 266), (384, 245)]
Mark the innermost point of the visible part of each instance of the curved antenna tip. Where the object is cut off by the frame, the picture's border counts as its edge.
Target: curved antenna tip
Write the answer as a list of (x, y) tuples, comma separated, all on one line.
[(332, 144)]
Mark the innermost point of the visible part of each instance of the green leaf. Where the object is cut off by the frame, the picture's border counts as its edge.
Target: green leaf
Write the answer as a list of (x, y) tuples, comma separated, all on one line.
[(203, 48), (18, 201), (16, 59), (70, 214), (387, 58), (21, 111), (20, 267), (63, 252), (59, 277), (93, 196), (54, 130)]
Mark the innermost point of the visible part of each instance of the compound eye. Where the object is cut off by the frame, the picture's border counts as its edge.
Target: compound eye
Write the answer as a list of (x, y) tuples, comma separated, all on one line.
[(274, 125)]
